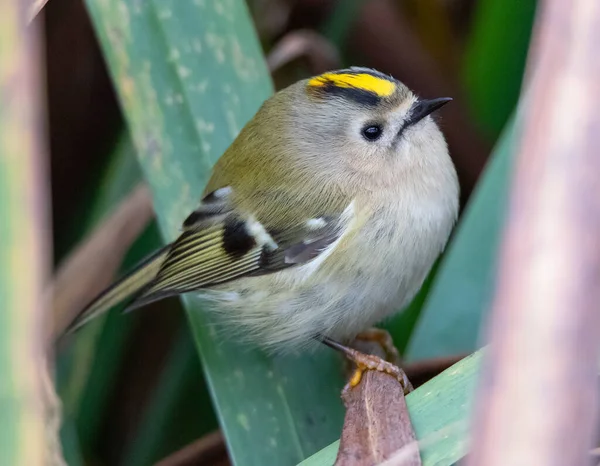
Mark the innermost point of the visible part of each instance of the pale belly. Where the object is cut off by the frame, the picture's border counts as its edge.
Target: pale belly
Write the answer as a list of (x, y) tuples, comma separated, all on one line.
[(376, 274)]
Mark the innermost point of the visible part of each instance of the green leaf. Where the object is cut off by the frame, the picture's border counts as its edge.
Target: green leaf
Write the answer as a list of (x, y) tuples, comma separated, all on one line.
[(189, 76), (439, 411), (70, 443), (460, 295), (495, 59)]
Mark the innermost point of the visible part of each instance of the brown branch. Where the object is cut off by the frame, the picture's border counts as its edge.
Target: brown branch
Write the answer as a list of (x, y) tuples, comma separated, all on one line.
[(93, 264), (31, 430), (209, 449), (377, 424), (538, 401)]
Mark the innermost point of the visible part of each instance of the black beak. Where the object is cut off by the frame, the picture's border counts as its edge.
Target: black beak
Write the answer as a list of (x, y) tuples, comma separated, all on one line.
[(421, 108)]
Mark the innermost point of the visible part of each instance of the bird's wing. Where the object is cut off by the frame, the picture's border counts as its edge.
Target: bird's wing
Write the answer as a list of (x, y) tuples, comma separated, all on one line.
[(219, 244)]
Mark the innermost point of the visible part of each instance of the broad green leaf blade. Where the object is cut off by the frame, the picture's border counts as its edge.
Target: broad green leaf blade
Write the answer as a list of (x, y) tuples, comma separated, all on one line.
[(495, 60), (189, 76), (462, 290), (439, 411)]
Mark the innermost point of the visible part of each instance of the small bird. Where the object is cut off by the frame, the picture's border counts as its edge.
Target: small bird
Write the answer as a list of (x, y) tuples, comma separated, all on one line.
[(322, 218)]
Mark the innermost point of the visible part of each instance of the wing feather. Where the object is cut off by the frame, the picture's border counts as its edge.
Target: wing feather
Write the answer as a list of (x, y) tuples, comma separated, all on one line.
[(219, 244)]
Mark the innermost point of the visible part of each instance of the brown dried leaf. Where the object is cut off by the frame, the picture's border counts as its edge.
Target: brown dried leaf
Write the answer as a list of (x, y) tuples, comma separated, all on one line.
[(377, 424)]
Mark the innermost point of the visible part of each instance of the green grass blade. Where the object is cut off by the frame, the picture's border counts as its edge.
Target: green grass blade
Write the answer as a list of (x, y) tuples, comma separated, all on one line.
[(189, 75), (439, 411), (454, 308), (495, 59), (70, 443)]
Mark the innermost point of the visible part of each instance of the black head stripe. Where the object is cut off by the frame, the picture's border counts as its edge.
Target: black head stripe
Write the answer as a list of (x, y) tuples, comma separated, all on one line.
[(361, 85), (354, 94)]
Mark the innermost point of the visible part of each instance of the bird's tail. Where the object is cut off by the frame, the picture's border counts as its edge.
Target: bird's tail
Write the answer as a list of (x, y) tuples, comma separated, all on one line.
[(126, 287)]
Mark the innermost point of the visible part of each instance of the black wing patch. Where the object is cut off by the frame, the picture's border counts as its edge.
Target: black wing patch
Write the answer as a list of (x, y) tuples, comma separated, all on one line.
[(237, 240), (218, 245)]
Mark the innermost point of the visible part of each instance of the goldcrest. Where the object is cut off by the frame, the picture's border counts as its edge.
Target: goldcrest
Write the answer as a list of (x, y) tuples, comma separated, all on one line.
[(322, 218)]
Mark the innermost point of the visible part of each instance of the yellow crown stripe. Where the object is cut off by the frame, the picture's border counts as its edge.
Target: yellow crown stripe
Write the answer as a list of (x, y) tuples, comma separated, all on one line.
[(366, 82)]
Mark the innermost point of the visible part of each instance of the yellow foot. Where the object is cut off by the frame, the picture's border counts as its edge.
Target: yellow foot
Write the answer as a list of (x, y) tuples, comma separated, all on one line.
[(382, 339), (365, 362)]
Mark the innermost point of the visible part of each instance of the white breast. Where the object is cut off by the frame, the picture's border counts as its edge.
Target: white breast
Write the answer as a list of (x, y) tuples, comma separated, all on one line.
[(375, 271), (391, 259)]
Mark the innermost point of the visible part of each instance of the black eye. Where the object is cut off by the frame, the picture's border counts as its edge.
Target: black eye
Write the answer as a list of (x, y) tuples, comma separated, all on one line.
[(372, 132)]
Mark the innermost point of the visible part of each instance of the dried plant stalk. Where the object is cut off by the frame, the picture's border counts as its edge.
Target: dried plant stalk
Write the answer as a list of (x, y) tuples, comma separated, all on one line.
[(539, 395), (377, 424), (25, 438)]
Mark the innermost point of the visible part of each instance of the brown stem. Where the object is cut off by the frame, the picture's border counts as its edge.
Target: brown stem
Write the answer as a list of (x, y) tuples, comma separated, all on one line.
[(538, 401), (29, 404), (209, 449), (377, 425)]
